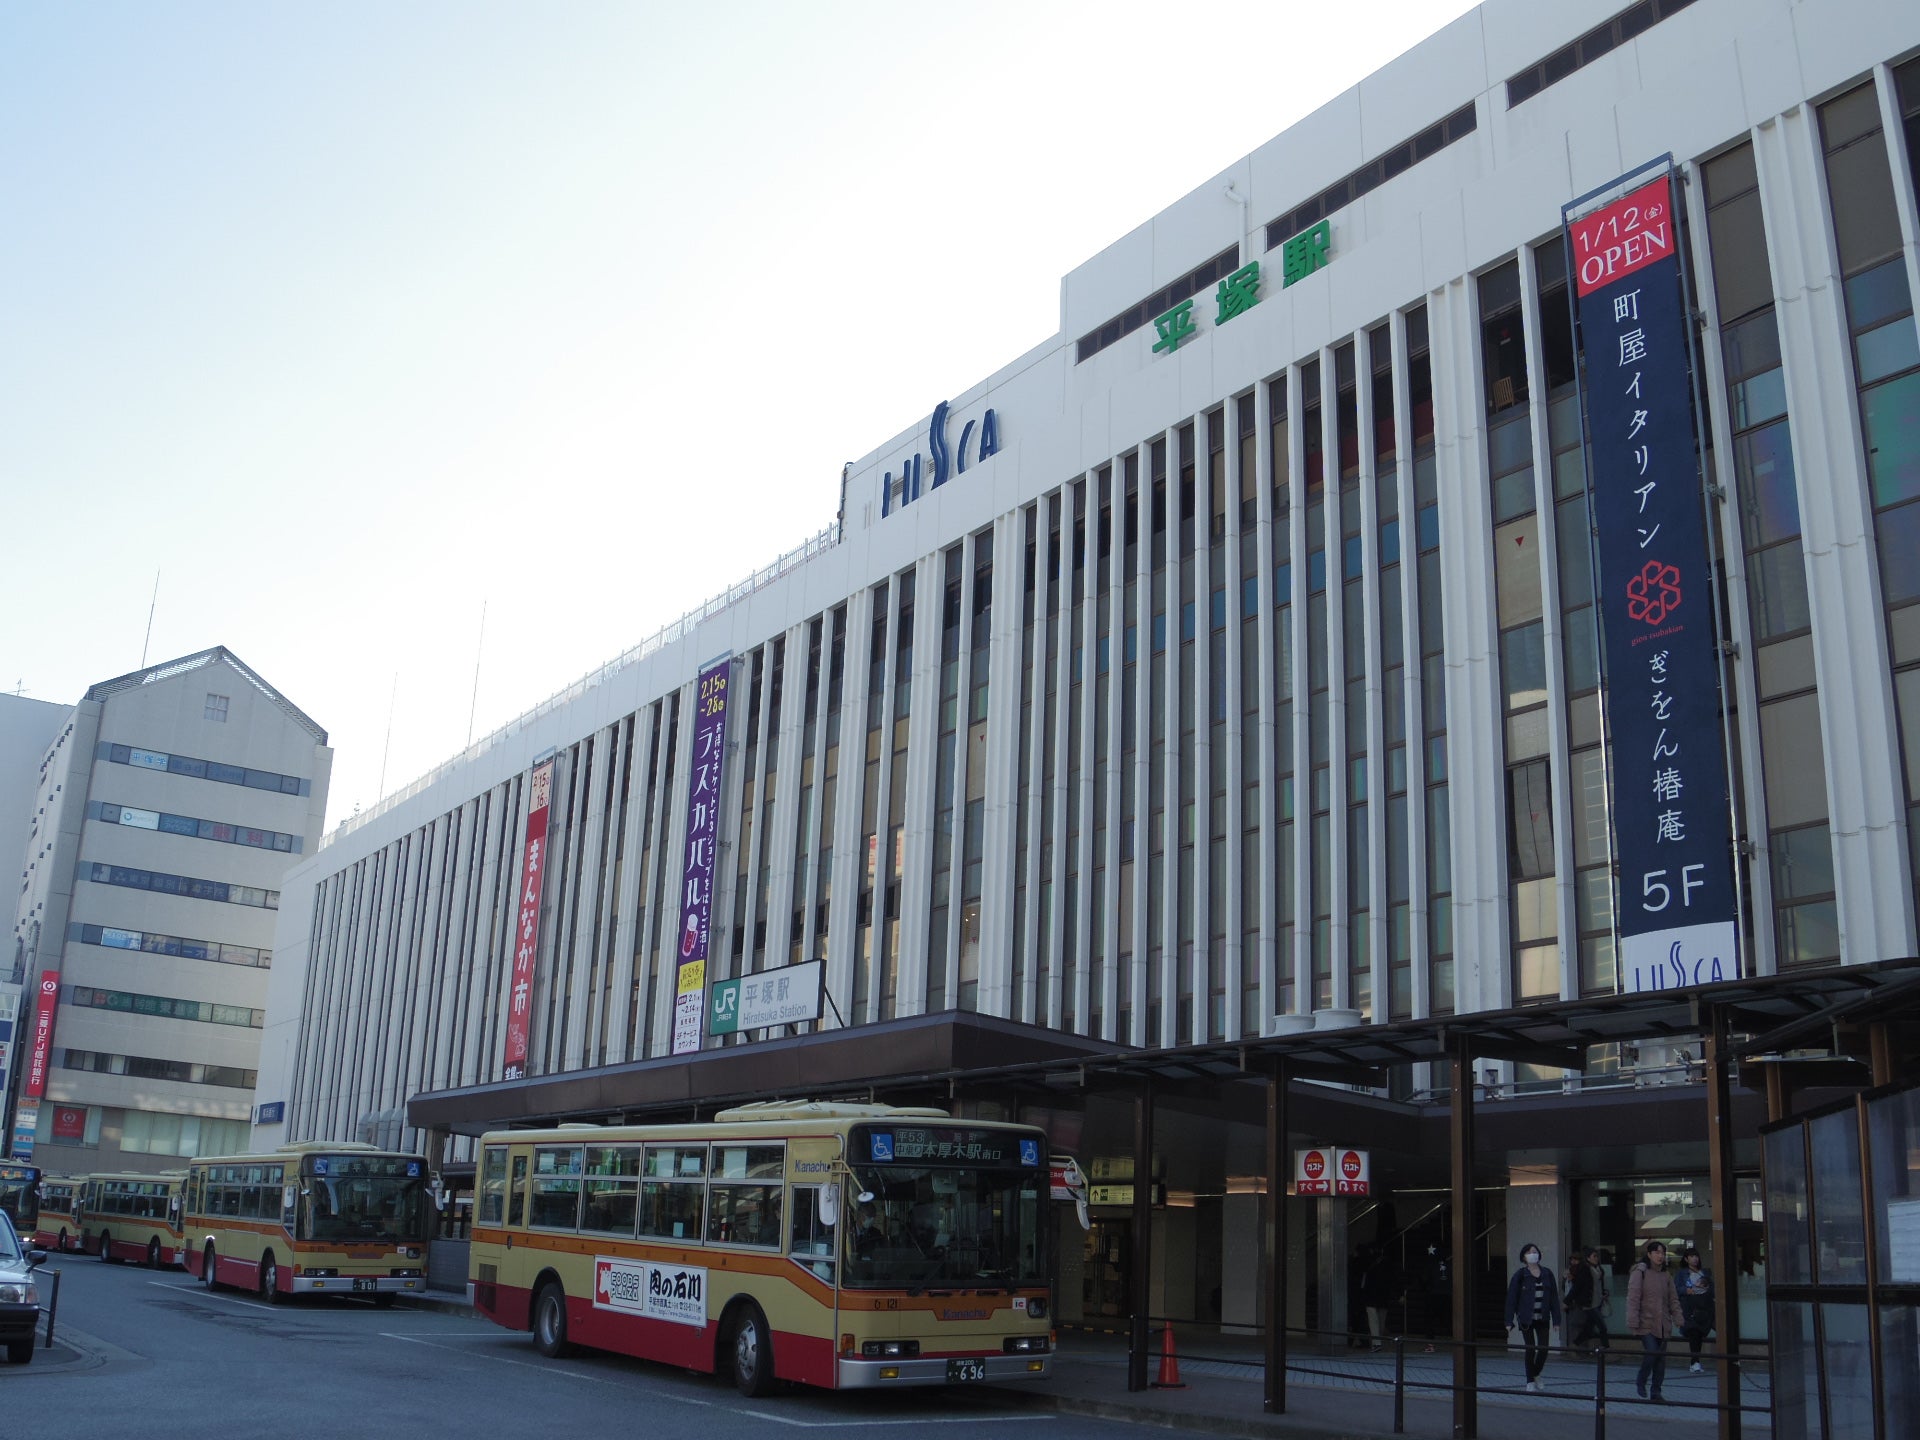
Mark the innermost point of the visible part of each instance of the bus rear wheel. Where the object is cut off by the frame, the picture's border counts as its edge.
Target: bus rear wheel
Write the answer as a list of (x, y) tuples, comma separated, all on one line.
[(153, 1254), (106, 1248), (207, 1264), (550, 1322), (752, 1352)]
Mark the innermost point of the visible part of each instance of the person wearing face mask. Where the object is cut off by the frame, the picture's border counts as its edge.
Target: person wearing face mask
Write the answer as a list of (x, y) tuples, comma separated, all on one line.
[(1533, 1308), (1653, 1310)]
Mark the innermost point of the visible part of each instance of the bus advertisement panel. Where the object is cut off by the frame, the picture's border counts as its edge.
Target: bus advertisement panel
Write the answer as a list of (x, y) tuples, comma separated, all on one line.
[(315, 1217), (844, 1246), (131, 1217)]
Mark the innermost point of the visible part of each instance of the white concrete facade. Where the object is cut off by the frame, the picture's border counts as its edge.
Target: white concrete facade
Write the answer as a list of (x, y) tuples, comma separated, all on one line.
[(1058, 816), (169, 807)]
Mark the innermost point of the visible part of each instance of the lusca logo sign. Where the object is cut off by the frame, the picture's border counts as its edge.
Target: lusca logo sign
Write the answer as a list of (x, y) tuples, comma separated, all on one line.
[(947, 461)]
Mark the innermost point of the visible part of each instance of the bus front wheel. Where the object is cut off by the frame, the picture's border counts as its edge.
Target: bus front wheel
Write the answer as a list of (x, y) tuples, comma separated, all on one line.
[(106, 1248), (752, 1352), (153, 1254), (207, 1263), (550, 1322), (270, 1280)]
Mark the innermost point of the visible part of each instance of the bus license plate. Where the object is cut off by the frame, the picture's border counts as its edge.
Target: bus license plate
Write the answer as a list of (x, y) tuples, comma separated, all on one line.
[(365, 1282), (966, 1370)]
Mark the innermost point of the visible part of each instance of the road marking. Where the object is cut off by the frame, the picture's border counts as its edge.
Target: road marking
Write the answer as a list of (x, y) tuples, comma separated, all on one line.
[(547, 1368), (198, 1289)]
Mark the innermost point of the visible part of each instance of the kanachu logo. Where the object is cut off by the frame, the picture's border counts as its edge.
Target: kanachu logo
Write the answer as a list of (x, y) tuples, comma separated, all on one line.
[(1654, 593)]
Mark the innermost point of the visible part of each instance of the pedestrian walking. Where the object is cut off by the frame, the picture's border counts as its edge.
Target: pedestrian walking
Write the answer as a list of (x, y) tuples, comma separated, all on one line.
[(1588, 1300), (1653, 1310), (1695, 1284), (1533, 1307)]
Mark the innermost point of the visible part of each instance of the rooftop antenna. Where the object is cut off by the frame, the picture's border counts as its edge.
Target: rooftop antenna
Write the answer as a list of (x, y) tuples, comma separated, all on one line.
[(154, 605), (477, 646), (388, 747)]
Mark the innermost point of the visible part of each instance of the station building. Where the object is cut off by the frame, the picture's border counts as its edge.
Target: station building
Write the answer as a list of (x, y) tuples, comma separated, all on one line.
[(165, 808), (1228, 668)]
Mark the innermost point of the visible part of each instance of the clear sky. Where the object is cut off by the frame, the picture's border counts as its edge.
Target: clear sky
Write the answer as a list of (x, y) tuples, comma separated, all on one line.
[(350, 319)]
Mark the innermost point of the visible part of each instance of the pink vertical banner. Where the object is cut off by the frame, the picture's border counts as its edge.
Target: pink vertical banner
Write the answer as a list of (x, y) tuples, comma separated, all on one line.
[(526, 933)]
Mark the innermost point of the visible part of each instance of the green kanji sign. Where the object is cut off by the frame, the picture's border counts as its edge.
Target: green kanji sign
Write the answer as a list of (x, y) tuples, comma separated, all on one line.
[(1238, 293), (1305, 253), (1174, 326)]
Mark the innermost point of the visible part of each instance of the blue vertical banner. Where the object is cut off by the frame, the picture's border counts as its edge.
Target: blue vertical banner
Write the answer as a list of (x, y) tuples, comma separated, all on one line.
[(1676, 910), (701, 855)]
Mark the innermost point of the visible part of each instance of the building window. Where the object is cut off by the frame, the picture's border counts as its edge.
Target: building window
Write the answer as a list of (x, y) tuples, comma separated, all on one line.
[(217, 708)]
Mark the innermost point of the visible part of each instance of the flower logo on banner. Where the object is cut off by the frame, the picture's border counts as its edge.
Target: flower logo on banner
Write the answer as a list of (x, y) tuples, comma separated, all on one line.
[(1654, 593)]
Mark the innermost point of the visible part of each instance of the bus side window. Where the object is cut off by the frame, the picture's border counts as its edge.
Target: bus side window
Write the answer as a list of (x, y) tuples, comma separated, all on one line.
[(517, 1199)]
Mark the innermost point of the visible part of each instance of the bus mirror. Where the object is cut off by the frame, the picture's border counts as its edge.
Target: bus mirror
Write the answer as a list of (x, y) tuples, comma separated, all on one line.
[(829, 1206)]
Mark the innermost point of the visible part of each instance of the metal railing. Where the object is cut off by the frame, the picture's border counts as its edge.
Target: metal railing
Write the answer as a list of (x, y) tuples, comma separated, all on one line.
[(52, 1305), (814, 545), (1596, 1361)]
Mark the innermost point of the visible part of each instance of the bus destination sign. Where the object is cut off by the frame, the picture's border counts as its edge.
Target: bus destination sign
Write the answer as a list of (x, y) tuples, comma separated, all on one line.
[(951, 1145)]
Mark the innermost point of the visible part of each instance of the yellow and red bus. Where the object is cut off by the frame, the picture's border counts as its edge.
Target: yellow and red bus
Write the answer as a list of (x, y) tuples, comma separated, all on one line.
[(58, 1227), (314, 1217), (20, 1194), (131, 1216), (845, 1246)]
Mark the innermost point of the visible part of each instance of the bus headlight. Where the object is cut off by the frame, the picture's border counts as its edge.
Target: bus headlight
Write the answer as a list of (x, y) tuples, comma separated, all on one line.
[(1026, 1345), (890, 1349)]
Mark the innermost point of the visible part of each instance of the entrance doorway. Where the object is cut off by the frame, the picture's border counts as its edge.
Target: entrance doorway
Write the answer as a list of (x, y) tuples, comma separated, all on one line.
[(1108, 1276)]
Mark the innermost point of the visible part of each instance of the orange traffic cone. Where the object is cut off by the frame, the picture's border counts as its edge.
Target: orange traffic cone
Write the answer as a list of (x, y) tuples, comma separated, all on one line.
[(1169, 1364)]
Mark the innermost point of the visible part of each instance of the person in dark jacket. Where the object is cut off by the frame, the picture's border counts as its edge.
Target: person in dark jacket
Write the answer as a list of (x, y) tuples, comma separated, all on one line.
[(1533, 1307), (1653, 1310), (1587, 1300), (1695, 1284)]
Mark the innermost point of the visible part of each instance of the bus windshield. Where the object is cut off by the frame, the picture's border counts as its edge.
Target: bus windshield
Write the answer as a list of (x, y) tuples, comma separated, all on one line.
[(20, 1194), (940, 1227), (365, 1204)]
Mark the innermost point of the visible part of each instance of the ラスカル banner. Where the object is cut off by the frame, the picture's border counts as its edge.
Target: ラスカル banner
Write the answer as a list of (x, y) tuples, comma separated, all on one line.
[(1676, 910), (526, 932), (703, 843)]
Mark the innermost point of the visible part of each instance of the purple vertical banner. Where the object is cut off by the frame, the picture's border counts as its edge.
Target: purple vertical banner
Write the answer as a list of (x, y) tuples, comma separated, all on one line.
[(1677, 910), (703, 843)]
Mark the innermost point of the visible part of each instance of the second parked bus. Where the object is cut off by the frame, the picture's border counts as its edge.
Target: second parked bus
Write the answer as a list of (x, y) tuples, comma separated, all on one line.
[(131, 1216), (315, 1217), (58, 1227)]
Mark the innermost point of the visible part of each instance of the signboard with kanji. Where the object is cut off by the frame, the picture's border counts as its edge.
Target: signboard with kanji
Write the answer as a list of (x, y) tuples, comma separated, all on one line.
[(526, 933), (783, 996), (1311, 1172), (1353, 1173), (1672, 833), (700, 856)]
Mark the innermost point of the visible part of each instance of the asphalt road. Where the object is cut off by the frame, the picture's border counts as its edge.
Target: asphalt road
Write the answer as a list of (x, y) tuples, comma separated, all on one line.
[(150, 1354)]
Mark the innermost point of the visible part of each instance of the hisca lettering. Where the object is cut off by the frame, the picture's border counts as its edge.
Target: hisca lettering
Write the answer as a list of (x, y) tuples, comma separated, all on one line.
[(946, 463), (1678, 971)]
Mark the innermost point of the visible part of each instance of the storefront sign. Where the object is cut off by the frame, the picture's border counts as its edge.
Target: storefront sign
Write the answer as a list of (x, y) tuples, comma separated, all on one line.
[(945, 463), (69, 1122), (774, 997), (526, 935), (1354, 1174), (26, 1125), (1671, 829), (703, 842), (273, 1112), (36, 1082), (1311, 1172)]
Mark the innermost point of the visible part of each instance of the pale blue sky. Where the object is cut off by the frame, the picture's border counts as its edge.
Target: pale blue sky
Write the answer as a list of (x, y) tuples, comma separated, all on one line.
[(349, 317)]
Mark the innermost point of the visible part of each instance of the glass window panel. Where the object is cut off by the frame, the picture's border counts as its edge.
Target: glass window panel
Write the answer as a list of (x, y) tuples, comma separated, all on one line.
[(1886, 351), (1740, 275), (1899, 533), (1849, 1372), (1777, 591), (1802, 863), (1538, 972), (1533, 911), (1523, 659), (1582, 649), (1590, 845), (1892, 416), (1808, 934), (1769, 501), (1516, 559), (1752, 345), (1864, 219), (1759, 399), (1789, 735), (1513, 495), (1529, 821), (1906, 689), (1878, 294), (1840, 1226)]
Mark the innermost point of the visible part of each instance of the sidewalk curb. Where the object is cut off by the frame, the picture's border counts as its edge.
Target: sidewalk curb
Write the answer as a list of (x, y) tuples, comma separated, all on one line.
[(1253, 1429)]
